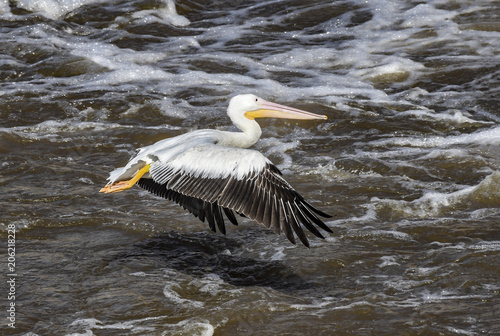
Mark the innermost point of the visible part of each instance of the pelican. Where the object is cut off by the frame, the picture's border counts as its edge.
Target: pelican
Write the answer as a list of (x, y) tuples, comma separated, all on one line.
[(210, 172)]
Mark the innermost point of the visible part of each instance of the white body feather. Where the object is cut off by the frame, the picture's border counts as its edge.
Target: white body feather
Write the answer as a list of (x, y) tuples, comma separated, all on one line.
[(198, 154)]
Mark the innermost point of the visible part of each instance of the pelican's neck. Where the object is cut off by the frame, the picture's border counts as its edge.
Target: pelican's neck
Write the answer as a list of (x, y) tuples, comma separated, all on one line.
[(250, 134)]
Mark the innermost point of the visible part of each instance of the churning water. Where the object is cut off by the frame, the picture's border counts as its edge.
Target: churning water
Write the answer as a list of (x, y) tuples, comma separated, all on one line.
[(408, 164)]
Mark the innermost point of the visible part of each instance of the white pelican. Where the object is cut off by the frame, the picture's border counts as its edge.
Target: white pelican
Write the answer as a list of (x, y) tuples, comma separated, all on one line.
[(208, 172)]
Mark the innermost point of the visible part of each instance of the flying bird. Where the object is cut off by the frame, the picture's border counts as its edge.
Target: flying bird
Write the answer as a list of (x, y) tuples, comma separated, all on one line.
[(211, 172)]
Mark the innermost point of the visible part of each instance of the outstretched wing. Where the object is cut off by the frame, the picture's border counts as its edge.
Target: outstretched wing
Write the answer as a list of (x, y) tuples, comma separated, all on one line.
[(208, 180)]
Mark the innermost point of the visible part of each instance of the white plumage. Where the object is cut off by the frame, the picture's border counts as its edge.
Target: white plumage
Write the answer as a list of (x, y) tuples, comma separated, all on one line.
[(179, 153), (208, 172)]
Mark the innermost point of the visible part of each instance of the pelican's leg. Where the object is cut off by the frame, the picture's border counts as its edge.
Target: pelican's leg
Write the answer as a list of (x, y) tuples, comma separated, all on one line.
[(124, 185)]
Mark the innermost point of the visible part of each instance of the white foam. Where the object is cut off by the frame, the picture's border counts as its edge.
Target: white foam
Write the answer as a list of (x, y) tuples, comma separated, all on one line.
[(54, 9), (133, 325), (395, 69), (329, 304), (193, 326), (404, 285), (321, 58), (123, 76), (432, 204), (169, 291), (368, 232), (125, 65), (485, 213), (482, 137), (485, 246), (276, 148), (425, 271), (324, 302), (363, 59), (458, 331), (445, 154), (388, 261), (167, 14), (70, 129), (279, 254), (452, 116), (120, 66), (426, 15), (4, 7), (210, 283), (448, 295)]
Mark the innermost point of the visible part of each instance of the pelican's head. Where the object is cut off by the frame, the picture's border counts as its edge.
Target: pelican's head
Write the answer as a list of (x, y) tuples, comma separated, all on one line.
[(251, 107)]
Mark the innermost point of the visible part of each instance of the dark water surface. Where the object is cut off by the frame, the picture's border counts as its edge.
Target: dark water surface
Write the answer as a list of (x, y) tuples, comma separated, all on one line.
[(408, 164)]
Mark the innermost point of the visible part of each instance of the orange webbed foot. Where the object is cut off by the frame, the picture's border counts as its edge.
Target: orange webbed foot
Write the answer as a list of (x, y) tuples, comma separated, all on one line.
[(124, 185)]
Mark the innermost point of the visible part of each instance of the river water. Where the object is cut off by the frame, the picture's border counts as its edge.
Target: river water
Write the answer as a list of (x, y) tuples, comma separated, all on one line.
[(407, 163)]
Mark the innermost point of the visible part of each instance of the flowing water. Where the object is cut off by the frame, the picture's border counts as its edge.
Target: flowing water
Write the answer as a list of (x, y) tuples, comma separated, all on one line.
[(407, 163)]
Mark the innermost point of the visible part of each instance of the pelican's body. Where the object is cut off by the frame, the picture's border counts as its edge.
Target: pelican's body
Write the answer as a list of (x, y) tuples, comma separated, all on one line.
[(209, 172)]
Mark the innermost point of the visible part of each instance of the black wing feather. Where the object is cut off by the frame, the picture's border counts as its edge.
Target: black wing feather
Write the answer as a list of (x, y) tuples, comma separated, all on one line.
[(295, 226), (284, 223), (230, 216), (262, 196)]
